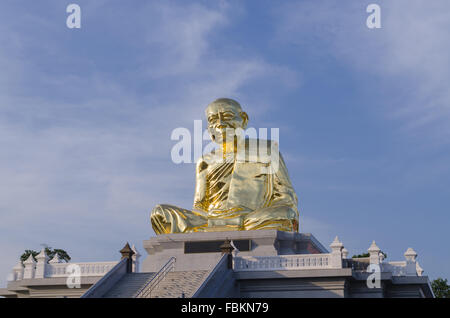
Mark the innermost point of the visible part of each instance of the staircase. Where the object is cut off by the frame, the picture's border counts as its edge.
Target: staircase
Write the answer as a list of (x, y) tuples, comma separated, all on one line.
[(129, 285), (177, 284)]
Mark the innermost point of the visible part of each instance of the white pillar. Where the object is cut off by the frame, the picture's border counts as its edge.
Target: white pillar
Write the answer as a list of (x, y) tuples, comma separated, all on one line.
[(381, 257), (42, 259), (344, 253), (30, 267), (18, 271), (411, 263), (410, 255), (374, 252), (135, 258), (336, 253)]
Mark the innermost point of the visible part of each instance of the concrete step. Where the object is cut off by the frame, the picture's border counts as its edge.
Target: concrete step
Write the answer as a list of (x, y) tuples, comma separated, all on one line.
[(129, 285), (175, 284)]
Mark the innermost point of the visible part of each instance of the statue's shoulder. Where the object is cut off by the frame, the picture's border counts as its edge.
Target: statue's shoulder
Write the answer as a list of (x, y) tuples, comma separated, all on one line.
[(262, 147), (260, 142)]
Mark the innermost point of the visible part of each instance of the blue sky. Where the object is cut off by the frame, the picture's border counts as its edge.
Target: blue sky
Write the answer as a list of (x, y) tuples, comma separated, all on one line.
[(86, 117)]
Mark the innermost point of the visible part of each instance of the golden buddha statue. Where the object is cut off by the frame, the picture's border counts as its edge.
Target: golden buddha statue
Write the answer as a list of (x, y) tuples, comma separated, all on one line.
[(235, 190)]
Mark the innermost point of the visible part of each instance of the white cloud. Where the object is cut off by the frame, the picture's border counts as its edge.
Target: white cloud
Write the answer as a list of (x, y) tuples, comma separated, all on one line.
[(83, 157), (180, 34), (409, 54)]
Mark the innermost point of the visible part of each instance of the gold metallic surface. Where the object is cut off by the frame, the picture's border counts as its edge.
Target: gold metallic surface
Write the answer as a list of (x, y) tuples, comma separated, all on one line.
[(232, 194)]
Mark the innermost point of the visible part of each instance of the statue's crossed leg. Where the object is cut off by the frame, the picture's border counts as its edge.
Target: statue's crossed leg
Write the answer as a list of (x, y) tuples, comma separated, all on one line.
[(168, 219)]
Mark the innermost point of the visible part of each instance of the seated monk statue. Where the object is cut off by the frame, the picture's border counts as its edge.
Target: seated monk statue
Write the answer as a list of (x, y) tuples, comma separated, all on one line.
[(235, 191)]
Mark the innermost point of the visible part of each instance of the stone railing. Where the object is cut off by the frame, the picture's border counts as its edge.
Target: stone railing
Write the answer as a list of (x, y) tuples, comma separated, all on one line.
[(62, 270), (282, 262), (409, 267), (336, 259), (402, 268), (43, 268), (86, 269), (293, 262)]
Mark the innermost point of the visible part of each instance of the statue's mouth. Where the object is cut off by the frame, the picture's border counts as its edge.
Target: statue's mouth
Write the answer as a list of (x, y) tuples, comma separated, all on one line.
[(222, 132)]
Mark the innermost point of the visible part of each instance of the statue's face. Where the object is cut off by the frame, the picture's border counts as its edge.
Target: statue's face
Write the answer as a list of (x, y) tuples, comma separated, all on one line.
[(223, 118)]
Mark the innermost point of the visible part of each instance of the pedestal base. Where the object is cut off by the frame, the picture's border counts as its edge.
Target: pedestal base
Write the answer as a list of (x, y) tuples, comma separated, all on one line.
[(199, 251)]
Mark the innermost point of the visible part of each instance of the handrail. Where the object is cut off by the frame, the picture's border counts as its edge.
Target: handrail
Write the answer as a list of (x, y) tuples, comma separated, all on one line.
[(149, 286)]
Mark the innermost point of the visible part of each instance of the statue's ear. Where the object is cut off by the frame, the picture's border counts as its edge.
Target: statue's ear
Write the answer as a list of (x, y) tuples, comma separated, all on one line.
[(244, 117)]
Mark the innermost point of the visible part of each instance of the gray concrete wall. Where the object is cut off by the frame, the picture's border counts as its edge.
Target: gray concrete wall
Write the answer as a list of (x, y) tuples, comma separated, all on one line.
[(359, 289), (220, 284), (55, 287), (333, 287)]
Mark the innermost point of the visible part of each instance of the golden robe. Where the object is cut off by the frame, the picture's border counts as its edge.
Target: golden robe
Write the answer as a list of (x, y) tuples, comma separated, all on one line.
[(234, 194)]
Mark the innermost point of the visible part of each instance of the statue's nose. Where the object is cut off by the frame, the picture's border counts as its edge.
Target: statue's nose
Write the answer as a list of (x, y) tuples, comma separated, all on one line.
[(221, 123)]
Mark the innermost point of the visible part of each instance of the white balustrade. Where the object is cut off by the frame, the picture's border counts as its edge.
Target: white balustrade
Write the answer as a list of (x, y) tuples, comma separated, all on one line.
[(282, 262), (409, 267), (86, 269), (59, 269), (396, 268)]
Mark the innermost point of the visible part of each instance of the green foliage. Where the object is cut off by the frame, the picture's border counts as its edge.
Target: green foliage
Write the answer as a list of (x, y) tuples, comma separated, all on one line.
[(367, 255), (27, 254), (62, 254), (361, 255), (440, 287)]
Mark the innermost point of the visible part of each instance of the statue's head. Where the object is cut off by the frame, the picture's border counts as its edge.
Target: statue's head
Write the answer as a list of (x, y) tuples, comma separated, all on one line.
[(224, 115)]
